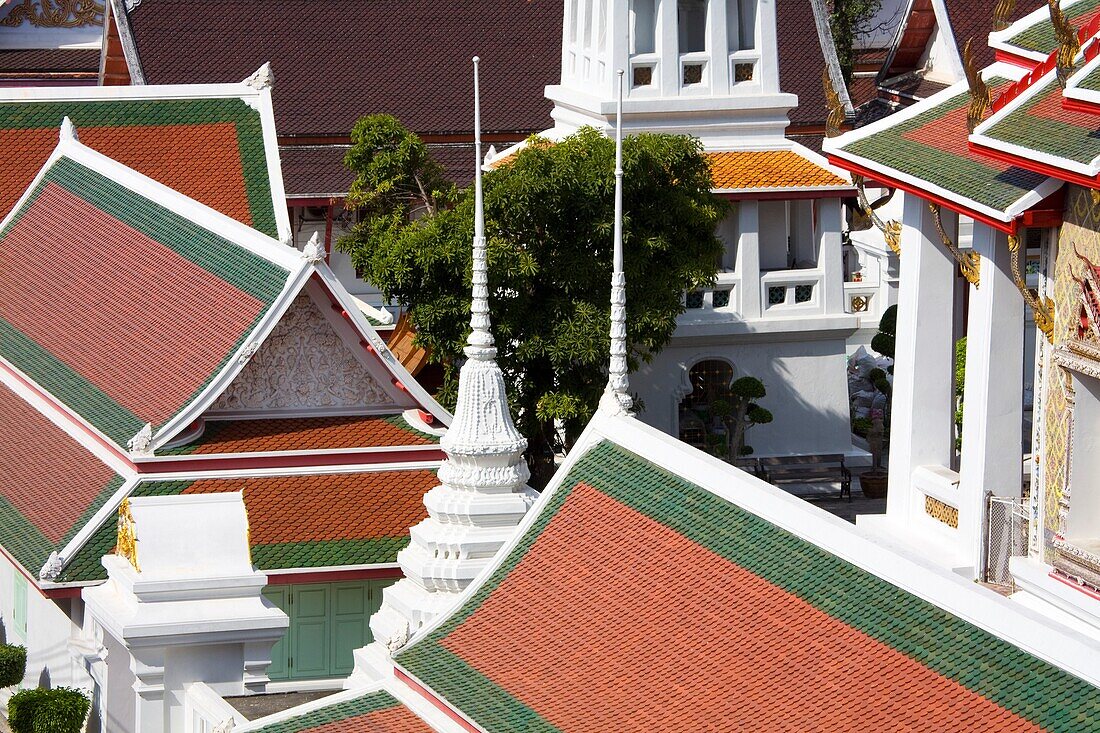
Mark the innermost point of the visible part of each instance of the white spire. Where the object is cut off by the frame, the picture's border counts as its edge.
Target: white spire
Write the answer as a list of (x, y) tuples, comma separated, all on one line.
[(616, 395), (483, 493)]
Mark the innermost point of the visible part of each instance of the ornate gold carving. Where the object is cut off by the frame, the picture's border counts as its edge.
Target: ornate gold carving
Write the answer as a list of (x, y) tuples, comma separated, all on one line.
[(1068, 44), (126, 544), (1095, 196), (1002, 11), (1042, 310), (941, 512), (834, 121), (54, 14), (859, 303), (980, 100), (970, 263), (891, 230)]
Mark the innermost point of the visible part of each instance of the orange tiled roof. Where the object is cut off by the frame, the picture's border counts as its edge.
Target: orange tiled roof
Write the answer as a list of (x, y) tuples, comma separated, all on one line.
[(751, 170), (304, 433), (768, 169)]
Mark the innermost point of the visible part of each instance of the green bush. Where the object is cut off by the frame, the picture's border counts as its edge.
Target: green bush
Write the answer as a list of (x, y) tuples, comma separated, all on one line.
[(61, 710), (13, 664), (861, 426)]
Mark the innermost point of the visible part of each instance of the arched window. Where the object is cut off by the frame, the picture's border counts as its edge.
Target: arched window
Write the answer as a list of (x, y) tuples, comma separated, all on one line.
[(691, 19), (710, 384)]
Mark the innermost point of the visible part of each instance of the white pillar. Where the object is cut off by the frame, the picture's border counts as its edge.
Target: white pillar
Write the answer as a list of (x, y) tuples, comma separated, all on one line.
[(992, 432), (830, 258), (923, 368), (748, 257)]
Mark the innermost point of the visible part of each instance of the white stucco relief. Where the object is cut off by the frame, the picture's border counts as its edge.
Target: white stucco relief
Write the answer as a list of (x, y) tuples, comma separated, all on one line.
[(302, 364)]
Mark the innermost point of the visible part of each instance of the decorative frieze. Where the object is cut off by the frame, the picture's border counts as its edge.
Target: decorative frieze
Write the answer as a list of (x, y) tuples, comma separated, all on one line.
[(941, 512), (54, 14)]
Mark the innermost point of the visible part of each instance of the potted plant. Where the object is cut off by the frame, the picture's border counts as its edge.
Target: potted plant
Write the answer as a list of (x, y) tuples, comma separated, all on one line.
[(874, 483)]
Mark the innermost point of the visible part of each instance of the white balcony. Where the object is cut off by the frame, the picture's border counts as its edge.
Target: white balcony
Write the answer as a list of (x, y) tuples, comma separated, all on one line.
[(792, 293)]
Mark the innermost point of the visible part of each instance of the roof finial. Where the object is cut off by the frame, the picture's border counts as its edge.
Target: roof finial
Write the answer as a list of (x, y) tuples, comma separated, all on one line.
[(261, 78), (616, 397), (480, 343), (68, 130)]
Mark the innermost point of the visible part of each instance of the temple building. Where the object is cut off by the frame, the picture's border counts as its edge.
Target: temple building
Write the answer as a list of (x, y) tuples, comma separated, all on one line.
[(1013, 148), (50, 43)]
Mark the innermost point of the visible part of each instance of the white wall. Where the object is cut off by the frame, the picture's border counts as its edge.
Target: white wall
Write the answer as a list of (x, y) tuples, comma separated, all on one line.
[(49, 629), (805, 379), (773, 235), (119, 705)]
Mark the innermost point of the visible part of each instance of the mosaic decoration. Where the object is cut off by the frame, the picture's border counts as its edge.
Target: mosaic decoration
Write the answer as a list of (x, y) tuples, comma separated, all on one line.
[(1079, 240), (941, 512)]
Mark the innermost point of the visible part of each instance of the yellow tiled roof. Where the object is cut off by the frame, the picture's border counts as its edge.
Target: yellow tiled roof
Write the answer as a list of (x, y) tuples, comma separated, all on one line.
[(768, 169)]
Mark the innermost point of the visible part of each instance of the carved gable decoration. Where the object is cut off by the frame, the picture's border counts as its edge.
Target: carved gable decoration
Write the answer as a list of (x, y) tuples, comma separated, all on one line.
[(54, 14), (1088, 324), (303, 364)]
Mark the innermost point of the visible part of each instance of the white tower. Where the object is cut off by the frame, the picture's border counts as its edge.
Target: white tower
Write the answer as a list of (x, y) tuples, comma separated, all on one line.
[(483, 493), (702, 67)]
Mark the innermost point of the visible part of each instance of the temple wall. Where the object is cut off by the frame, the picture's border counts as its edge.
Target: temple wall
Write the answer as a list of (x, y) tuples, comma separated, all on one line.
[(1080, 233)]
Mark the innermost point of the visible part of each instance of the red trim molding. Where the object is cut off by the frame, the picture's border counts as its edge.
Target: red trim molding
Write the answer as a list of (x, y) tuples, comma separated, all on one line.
[(828, 193), (1009, 227), (1074, 584), (333, 576), (211, 462), (1010, 58), (435, 700), (1079, 105), (1035, 166)]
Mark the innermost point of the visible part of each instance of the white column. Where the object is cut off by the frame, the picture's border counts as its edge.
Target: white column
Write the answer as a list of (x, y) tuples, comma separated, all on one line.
[(767, 46), (830, 258), (992, 432), (668, 48), (148, 668), (748, 257), (717, 47), (923, 368)]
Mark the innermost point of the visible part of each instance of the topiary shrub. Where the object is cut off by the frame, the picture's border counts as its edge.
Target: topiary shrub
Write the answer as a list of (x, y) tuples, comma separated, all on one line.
[(13, 664), (61, 710), (886, 338)]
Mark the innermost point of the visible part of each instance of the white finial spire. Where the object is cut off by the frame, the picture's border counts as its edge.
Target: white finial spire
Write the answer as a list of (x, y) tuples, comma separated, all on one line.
[(68, 130), (483, 492), (616, 395), (480, 343)]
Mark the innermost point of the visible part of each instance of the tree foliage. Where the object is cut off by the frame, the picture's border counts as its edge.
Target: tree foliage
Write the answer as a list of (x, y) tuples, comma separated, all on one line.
[(849, 20), (549, 219), (13, 664), (885, 340), (60, 710)]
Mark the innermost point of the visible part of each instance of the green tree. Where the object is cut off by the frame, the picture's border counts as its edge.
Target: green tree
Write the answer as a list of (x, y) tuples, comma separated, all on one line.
[(549, 218), (849, 20)]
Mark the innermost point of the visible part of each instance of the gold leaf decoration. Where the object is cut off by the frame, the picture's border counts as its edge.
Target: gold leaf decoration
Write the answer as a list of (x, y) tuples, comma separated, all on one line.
[(834, 121), (980, 99), (1068, 45), (970, 263), (54, 14), (126, 544)]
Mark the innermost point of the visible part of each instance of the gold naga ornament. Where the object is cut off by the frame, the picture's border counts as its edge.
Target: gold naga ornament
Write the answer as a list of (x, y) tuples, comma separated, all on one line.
[(891, 230), (1043, 310), (1002, 11), (54, 14), (970, 263), (1068, 44), (126, 544), (980, 98)]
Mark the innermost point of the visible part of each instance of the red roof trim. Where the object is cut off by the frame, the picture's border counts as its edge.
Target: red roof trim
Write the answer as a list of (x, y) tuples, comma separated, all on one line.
[(1035, 166), (1084, 34), (1071, 104), (435, 700), (1073, 584), (1008, 227), (1010, 58)]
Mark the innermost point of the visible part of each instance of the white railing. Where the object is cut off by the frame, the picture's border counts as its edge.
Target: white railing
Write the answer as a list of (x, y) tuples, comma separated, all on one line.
[(862, 299), (724, 297), (204, 711), (792, 292)]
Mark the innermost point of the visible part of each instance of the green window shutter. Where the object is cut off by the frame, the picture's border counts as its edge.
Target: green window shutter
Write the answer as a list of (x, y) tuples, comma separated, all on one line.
[(349, 623), (310, 629), (19, 615), (279, 595)]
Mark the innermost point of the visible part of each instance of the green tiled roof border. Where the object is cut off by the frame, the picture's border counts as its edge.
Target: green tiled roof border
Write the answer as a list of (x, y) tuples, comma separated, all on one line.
[(86, 567), (983, 663), (1091, 81), (369, 703), (26, 543), (960, 175), (166, 113), (1040, 37), (238, 267), (1021, 127)]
